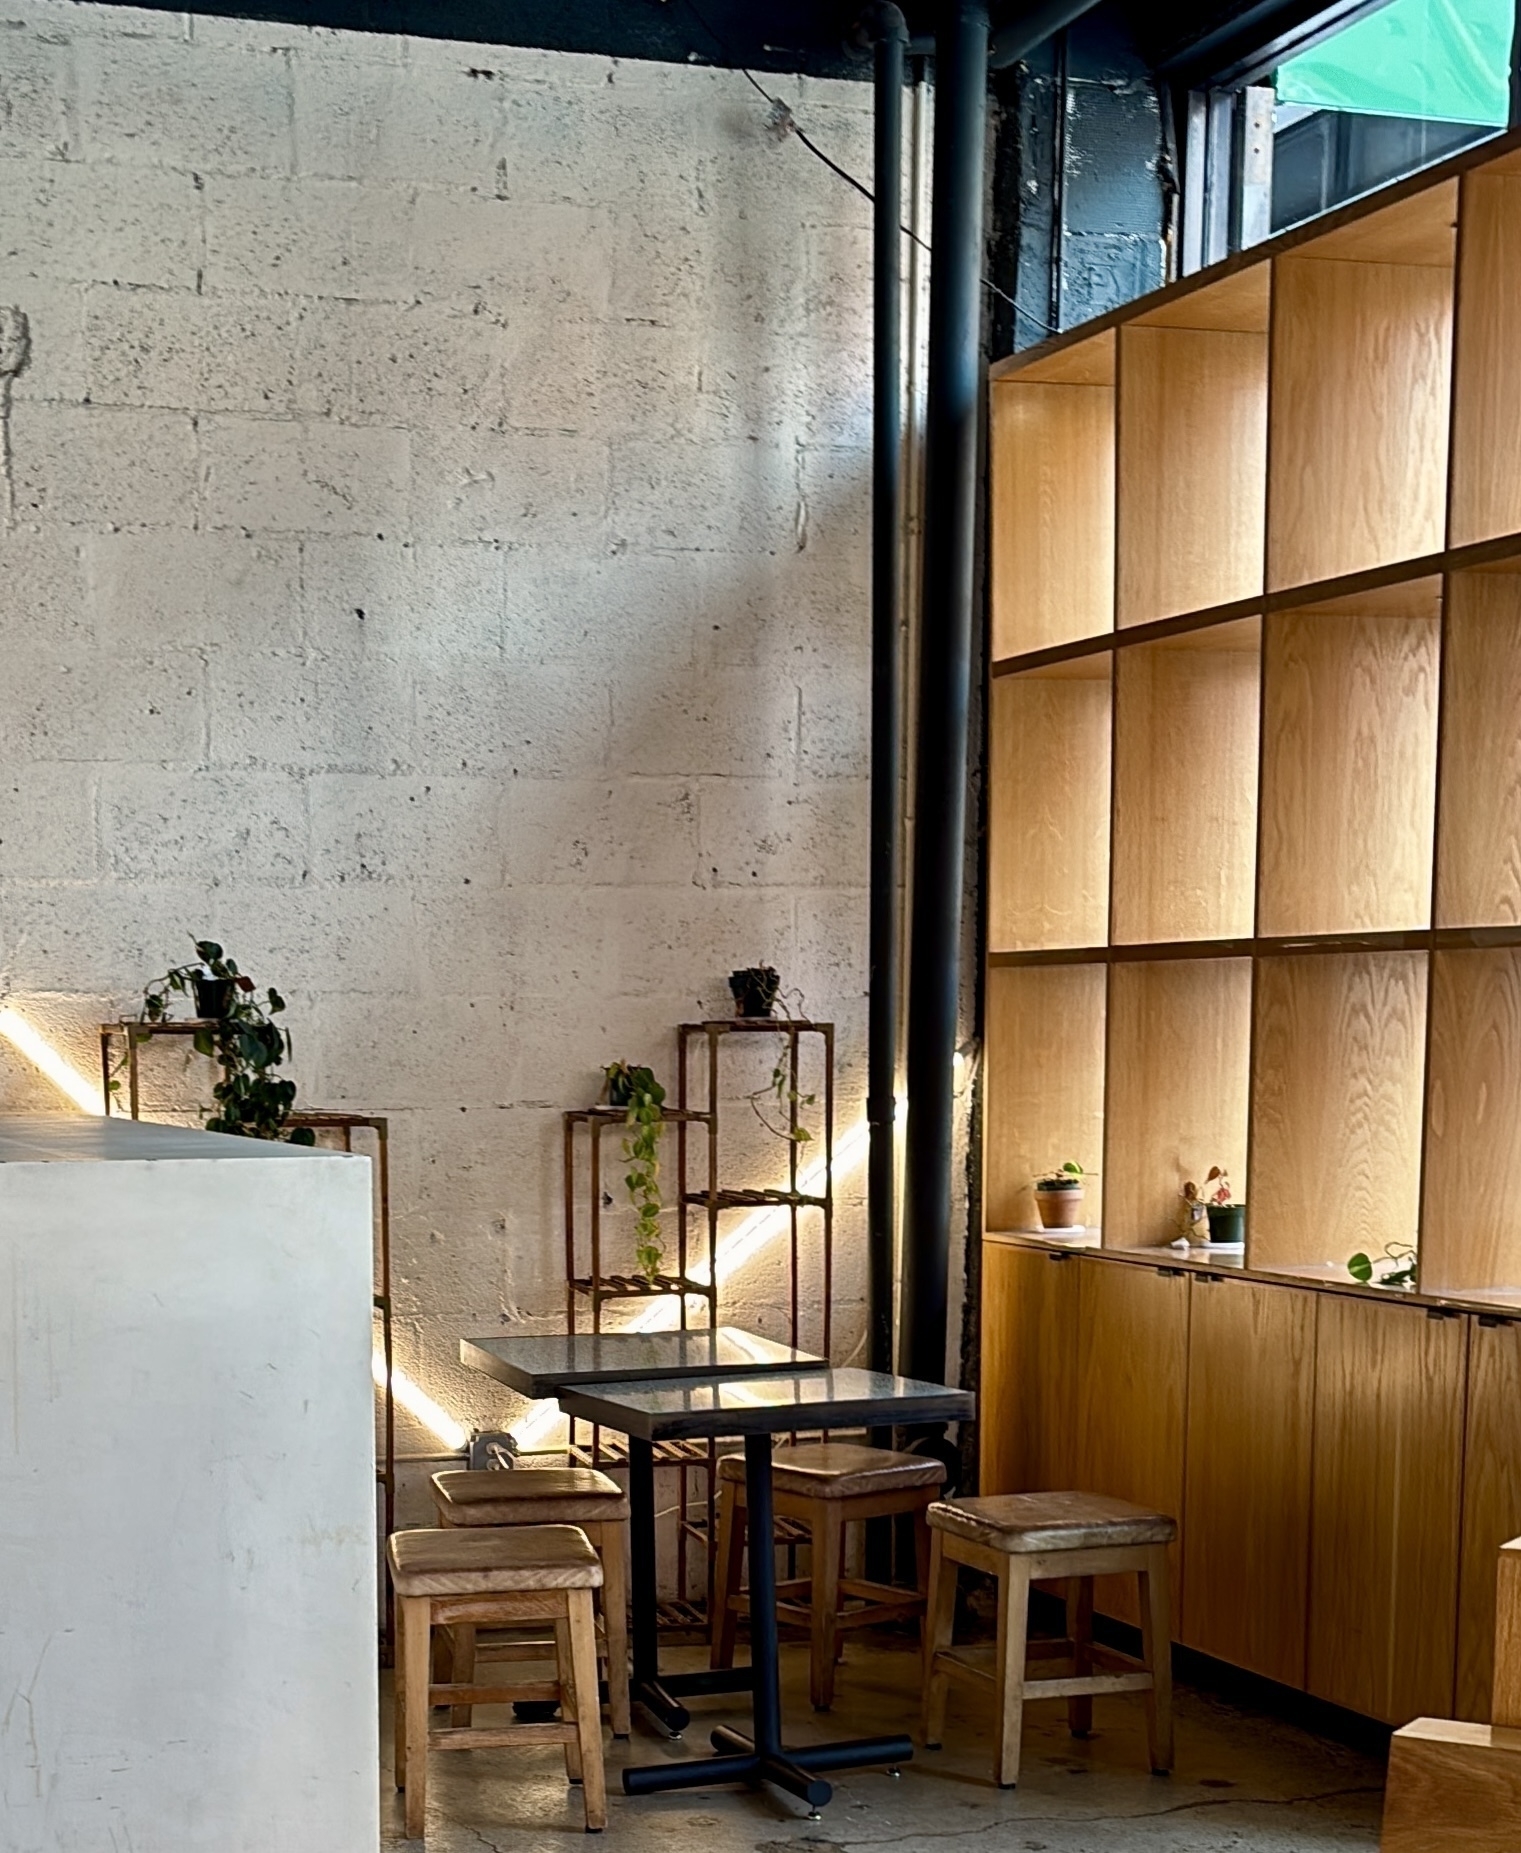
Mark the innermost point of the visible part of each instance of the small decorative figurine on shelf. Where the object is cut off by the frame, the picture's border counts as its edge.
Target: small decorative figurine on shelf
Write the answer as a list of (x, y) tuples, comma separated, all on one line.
[(1059, 1196), (1210, 1216)]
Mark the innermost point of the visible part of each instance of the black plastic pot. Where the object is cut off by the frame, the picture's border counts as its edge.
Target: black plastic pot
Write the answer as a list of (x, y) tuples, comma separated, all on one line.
[(213, 997), (1227, 1222), (619, 1091), (754, 991)]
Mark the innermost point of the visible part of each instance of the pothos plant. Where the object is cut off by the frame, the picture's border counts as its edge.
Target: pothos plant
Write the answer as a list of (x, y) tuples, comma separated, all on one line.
[(252, 1099), (780, 1095), (1398, 1263), (636, 1090)]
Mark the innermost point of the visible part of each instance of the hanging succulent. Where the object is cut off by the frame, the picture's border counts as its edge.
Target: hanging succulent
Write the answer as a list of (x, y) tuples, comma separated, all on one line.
[(642, 1097)]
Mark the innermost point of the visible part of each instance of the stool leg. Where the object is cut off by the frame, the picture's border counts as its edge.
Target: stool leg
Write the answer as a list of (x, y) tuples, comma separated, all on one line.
[(412, 1714), (726, 1568), (1080, 1633), (939, 1625), (463, 1668), (1013, 1627), (612, 1542), (570, 1698), (827, 1532), (1156, 1651), (583, 1680)]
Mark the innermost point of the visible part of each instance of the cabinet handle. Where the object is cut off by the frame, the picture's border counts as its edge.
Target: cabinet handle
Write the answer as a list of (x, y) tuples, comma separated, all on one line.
[(1442, 1312), (1494, 1319), (1173, 1273)]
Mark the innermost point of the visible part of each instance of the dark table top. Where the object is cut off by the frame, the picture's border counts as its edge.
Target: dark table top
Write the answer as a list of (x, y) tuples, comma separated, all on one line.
[(544, 1365), (672, 1411)]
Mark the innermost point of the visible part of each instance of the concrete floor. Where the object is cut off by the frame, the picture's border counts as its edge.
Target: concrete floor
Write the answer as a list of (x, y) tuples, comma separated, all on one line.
[(1243, 1781)]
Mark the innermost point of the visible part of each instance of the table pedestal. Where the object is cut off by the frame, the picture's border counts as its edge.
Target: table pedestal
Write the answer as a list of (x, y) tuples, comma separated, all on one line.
[(751, 1760)]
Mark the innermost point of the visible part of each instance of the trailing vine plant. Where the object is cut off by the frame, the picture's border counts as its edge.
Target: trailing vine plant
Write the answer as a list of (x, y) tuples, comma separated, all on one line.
[(252, 1100), (780, 1096), (636, 1090)]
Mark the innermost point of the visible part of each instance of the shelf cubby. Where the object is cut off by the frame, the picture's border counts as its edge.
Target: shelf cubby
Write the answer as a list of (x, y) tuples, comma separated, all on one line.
[(1349, 737), (1338, 1065), (1478, 876), (1486, 422), (1178, 1078), (1045, 1087), (1185, 785), (1053, 499), (1471, 1209), (1360, 390), (1192, 450), (1048, 858)]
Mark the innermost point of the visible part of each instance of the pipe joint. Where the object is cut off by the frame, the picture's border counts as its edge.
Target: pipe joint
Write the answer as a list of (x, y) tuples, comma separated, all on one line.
[(879, 21)]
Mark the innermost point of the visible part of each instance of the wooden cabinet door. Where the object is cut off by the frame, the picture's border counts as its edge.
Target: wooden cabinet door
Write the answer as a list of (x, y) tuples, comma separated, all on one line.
[(1385, 1502), (1029, 1369), (1246, 1505), (1491, 1500), (1131, 1391)]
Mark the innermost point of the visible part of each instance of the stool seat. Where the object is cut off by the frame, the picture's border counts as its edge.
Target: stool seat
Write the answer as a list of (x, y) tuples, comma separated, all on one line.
[(1040, 1522), (530, 1496), (840, 1470), (490, 1563)]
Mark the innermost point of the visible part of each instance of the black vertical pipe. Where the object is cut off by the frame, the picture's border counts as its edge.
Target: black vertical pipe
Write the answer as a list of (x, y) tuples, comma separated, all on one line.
[(890, 34), (945, 666)]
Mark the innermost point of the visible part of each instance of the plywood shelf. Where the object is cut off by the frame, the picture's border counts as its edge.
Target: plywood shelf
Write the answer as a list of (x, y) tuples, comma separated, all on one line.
[(1045, 1085), (1478, 876), (1192, 451), (1486, 426), (1185, 786), (1048, 859), (1349, 763), (1053, 500), (1179, 1034)]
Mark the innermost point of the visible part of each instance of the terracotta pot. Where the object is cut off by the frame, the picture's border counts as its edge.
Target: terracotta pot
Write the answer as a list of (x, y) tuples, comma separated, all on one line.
[(1059, 1206)]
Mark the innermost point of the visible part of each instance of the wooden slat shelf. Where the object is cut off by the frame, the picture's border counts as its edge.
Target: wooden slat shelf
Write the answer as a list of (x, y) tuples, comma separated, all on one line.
[(1412, 939), (752, 1199), (1477, 556), (638, 1286), (1254, 900)]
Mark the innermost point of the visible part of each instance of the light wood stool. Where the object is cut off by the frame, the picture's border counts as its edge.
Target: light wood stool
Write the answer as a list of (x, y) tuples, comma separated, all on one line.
[(1024, 1538), (825, 1485), (497, 1579), (548, 1496)]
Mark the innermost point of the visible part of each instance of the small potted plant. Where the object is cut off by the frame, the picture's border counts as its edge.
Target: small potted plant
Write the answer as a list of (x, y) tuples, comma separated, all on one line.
[(1224, 1218), (1395, 1267), (641, 1097), (755, 990), (1059, 1196)]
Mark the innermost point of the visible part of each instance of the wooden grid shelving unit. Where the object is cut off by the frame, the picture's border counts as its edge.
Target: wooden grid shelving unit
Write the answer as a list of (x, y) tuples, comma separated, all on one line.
[(1254, 899)]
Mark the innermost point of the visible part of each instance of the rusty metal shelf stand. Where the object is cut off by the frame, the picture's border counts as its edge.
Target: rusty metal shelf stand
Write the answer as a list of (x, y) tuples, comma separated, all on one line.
[(706, 1040), (320, 1120), (596, 1287)]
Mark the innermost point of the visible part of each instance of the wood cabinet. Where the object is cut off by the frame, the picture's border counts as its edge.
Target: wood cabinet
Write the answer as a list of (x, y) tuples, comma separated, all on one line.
[(1132, 1388), (1385, 1507), (1029, 1370), (1491, 1500), (1246, 1503)]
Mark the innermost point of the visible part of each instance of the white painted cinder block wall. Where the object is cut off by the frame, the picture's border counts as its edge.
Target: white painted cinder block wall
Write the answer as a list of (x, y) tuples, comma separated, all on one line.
[(434, 563)]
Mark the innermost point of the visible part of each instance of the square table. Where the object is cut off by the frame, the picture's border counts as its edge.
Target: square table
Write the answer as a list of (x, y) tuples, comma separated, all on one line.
[(756, 1408), (550, 1365)]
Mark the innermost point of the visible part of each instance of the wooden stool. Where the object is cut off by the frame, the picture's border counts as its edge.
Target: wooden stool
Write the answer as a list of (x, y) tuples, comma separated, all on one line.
[(825, 1485), (497, 1579), (549, 1496), (1024, 1538)]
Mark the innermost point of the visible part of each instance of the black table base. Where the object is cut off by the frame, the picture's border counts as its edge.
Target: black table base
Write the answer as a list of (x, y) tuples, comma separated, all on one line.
[(749, 1760)]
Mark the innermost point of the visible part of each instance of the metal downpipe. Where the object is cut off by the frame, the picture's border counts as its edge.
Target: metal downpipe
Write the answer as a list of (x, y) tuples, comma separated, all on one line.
[(945, 661)]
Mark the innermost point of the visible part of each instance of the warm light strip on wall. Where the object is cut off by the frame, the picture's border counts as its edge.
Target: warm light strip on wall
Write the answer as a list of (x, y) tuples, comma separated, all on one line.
[(740, 1245), (44, 1057), (419, 1404)]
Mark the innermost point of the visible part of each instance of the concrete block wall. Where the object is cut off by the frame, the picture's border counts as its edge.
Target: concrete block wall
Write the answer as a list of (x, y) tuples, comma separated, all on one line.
[(433, 561)]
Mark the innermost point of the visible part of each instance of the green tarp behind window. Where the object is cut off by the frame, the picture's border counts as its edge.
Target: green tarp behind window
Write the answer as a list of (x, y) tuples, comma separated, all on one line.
[(1442, 60)]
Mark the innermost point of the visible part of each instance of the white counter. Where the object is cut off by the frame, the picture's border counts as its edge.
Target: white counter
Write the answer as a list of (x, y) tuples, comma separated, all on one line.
[(187, 1497)]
